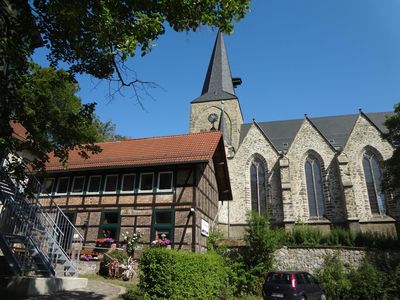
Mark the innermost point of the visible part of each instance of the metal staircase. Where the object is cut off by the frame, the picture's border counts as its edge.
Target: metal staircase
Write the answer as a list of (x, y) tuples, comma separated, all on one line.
[(33, 238)]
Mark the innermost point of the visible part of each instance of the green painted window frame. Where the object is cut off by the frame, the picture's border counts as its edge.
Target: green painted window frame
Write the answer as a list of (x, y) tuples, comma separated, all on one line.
[(116, 226), (163, 227)]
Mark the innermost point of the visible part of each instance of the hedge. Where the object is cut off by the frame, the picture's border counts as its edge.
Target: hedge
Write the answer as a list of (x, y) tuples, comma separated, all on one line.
[(169, 274)]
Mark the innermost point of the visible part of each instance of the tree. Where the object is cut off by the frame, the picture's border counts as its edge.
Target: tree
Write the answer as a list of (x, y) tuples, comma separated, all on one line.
[(392, 165), (93, 37), (53, 116), (107, 131)]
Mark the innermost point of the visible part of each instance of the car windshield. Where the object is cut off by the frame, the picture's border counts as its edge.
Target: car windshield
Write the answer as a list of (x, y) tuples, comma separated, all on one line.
[(278, 278)]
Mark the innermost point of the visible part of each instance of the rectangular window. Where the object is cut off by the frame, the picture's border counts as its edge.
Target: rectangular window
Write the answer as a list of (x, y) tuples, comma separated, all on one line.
[(94, 184), (165, 181), (163, 223), (146, 182), (110, 185), (62, 186), (77, 185), (128, 183), (109, 225), (47, 186)]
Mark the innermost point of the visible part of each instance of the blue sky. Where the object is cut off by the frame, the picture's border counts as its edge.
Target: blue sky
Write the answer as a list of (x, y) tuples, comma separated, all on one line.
[(320, 57)]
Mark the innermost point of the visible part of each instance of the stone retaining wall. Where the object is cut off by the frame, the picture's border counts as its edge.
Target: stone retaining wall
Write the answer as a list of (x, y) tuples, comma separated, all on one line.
[(312, 259)]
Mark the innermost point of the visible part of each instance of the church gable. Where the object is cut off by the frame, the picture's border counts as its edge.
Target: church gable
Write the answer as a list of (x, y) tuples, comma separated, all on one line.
[(255, 146), (310, 144), (365, 139)]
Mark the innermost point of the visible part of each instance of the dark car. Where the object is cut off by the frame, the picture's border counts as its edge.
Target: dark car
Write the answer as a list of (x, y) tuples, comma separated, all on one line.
[(292, 285)]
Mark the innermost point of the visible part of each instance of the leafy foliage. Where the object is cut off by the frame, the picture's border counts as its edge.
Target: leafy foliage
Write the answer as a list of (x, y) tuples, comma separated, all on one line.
[(92, 37), (335, 279), (261, 242), (392, 165), (361, 288), (169, 274)]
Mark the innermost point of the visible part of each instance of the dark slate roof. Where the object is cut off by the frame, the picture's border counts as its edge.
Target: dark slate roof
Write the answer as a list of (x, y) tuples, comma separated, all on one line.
[(336, 129), (218, 82)]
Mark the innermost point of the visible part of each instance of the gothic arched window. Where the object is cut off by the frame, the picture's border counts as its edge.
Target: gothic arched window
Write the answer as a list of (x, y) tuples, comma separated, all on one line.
[(258, 187), (315, 190), (373, 180)]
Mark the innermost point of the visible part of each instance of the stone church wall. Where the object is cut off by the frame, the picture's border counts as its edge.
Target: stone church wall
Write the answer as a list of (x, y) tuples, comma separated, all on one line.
[(364, 137), (309, 141), (312, 259), (254, 145), (233, 116)]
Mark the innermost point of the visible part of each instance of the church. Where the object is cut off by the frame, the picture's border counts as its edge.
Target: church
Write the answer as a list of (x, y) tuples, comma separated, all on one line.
[(321, 171)]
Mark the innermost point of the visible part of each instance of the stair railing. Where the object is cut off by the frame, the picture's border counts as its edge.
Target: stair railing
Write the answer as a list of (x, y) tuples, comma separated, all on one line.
[(48, 227)]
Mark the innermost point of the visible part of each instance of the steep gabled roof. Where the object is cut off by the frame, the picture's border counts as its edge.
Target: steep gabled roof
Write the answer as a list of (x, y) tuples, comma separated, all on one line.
[(336, 129), (218, 82), (178, 149), (280, 133)]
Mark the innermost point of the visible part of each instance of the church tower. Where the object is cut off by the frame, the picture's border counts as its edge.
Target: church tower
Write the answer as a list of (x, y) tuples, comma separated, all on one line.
[(218, 107)]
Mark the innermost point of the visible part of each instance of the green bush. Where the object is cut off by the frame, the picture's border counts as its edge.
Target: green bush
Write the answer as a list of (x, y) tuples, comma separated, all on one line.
[(366, 283), (335, 280), (376, 240), (339, 237), (169, 274), (392, 282), (261, 242), (305, 235), (121, 256)]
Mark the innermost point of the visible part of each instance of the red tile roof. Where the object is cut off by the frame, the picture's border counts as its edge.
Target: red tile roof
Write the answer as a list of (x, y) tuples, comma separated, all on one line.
[(19, 131), (187, 148)]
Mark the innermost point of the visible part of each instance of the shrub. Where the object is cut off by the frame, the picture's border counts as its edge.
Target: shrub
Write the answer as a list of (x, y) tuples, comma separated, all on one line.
[(340, 237), (334, 278), (392, 282), (121, 256), (376, 240), (212, 242), (366, 283), (169, 274), (305, 235), (261, 242)]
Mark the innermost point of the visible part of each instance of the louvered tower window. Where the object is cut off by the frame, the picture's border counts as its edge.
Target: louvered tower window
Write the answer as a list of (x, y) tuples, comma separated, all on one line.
[(315, 190), (258, 186), (373, 180)]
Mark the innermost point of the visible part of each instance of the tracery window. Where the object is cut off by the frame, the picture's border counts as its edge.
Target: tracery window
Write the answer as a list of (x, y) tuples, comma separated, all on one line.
[(315, 190), (373, 180), (258, 186)]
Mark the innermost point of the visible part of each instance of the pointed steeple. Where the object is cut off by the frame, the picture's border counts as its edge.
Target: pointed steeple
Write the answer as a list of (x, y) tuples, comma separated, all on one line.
[(218, 82)]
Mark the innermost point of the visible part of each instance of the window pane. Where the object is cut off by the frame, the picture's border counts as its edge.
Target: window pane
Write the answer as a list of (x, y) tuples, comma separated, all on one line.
[(319, 188), (94, 184), (370, 186), (146, 182), (310, 190), (111, 183), (128, 183), (378, 181), (62, 187), (261, 187), (254, 189), (163, 217), (165, 181), (110, 218), (78, 184), (47, 186)]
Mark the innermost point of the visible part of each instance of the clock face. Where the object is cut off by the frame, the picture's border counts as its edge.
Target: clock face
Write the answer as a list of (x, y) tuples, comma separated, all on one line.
[(212, 118)]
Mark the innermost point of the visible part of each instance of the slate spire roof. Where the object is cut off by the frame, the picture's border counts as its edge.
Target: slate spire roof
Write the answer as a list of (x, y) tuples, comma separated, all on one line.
[(218, 82)]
